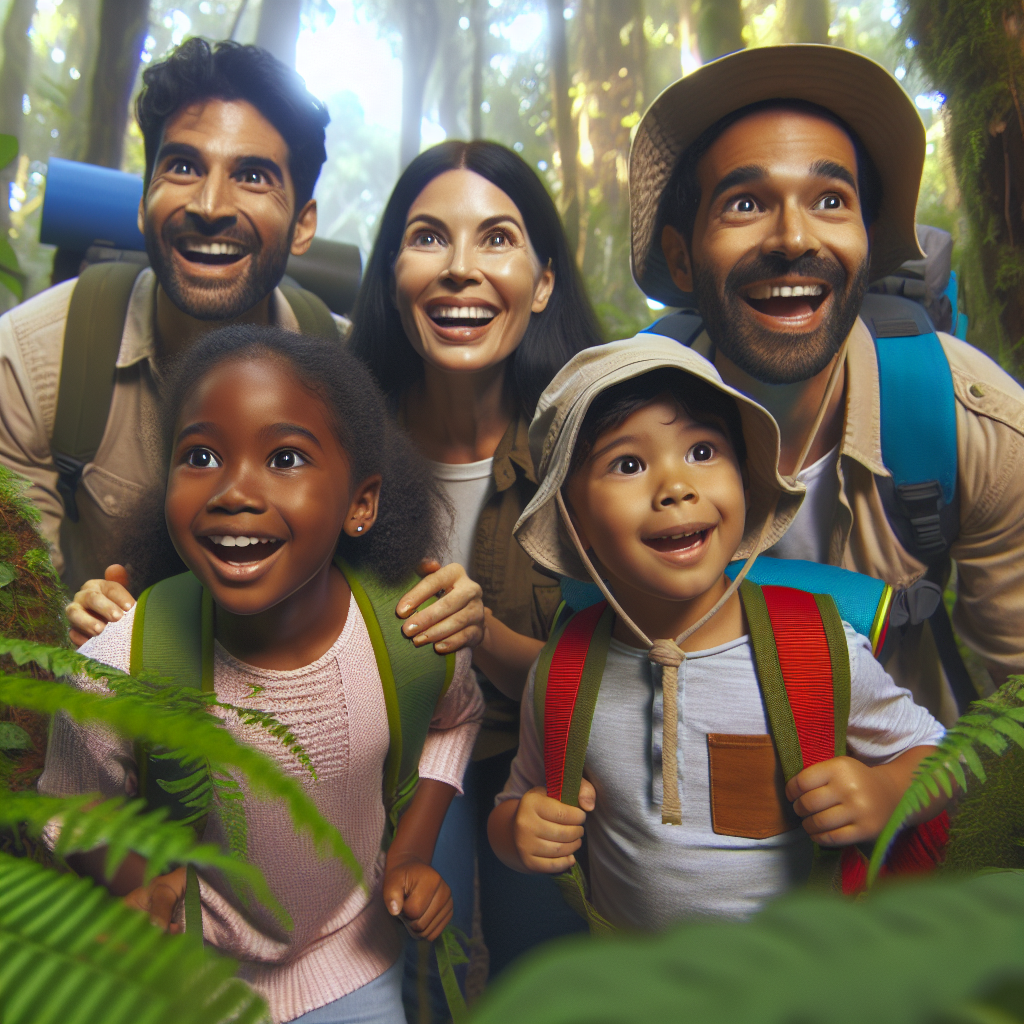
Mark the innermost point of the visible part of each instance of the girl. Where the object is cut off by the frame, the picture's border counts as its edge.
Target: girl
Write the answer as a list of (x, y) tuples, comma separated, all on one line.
[(469, 305), (281, 442)]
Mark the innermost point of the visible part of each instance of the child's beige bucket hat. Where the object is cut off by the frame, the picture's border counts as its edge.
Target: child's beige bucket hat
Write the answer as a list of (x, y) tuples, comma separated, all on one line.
[(851, 86), (774, 500)]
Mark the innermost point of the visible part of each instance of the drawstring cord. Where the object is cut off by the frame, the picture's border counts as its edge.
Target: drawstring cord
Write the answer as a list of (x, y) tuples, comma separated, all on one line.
[(669, 653)]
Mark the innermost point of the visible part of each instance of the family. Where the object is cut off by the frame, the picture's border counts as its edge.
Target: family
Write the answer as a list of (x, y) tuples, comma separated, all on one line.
[(470, 435)]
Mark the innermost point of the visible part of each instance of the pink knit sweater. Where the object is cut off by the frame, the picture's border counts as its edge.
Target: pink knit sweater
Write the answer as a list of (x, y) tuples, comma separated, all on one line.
[(342, 937)]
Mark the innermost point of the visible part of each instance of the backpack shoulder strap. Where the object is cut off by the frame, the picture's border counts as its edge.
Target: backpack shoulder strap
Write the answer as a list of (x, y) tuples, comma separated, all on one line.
[(918, 426), (415, 679), (172, 637), (566, 685), (312, 313), (803, 667), (92, 339)]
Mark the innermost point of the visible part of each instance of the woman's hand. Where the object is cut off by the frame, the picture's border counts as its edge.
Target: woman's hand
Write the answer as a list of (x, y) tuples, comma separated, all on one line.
[(455, 620), (162, 899), (417, 893), (97, 603)]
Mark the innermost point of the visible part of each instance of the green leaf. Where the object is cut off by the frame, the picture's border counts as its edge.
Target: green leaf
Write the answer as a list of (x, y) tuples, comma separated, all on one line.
[(7, 573), (13, 737), (71, 952), (8, 149)]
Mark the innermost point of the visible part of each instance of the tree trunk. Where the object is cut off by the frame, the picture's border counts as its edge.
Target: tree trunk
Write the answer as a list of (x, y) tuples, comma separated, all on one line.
[(278, 28), (974, 55), (123, 25), (565, 127), (81, 55), (807, 21), (13, 80), (419, 47), (478, 25), (719, 28)]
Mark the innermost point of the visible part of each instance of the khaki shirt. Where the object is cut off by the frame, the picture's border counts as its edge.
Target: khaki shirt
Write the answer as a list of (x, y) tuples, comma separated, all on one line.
[(521, 597), (989, 551), (129, 460)]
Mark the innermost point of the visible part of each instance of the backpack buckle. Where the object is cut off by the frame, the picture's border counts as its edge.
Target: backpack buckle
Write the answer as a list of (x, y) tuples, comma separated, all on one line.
[(921, 504), (69, 473)]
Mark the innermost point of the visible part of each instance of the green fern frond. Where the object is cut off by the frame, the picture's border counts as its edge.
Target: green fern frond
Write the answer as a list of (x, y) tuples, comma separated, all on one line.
[(993, 724), (200, 736), (69, 951), (88, 821)]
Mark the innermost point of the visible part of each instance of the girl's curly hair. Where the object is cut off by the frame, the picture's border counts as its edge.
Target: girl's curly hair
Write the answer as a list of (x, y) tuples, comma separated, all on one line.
[(413, 517)]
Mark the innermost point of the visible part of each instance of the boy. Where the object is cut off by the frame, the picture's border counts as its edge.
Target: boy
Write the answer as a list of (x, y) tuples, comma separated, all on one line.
[(667, 475)]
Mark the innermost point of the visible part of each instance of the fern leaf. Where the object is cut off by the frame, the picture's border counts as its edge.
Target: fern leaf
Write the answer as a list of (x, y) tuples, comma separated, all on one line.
[(200, 735), (87, 957), (88, 821), (990, 723)]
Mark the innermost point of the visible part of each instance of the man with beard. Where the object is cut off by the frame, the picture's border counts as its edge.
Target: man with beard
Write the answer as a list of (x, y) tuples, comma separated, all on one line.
[(234, 144), (769, 188)]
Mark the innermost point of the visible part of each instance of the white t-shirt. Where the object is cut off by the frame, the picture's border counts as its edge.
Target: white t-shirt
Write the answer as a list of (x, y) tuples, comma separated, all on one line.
[(810, 532), (468, 486), (646, 875)]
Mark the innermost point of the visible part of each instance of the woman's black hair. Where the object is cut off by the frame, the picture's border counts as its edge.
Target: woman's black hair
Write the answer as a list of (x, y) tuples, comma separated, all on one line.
[(196, 71), (413, 516), (566, 326), (700, 400)]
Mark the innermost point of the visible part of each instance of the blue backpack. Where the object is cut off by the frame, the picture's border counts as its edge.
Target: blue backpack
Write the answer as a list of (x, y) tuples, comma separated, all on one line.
[(919, 447)]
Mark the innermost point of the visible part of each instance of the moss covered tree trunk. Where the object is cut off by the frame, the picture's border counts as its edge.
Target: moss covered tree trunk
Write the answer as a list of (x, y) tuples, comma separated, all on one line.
[(973, 52), (13, 80)]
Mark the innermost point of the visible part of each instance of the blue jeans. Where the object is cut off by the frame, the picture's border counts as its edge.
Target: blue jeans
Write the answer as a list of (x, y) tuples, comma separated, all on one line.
[(377, 1002), (517, 911)]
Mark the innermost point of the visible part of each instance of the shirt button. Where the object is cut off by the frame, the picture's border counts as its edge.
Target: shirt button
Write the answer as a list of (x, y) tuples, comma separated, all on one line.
[(977, 390)]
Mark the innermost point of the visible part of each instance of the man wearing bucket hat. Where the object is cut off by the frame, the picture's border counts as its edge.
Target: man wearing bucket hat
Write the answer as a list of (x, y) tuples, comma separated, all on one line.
[(654, 476), (768, 189)]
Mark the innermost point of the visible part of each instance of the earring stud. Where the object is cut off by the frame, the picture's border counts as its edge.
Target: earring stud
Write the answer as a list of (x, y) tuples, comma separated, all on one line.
[(359, 529)]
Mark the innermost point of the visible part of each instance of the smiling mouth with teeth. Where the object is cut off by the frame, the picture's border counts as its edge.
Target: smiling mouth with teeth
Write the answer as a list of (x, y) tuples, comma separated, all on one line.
[(241, 550), (681, 541), (216, 253), (462, 316), (783, 300)]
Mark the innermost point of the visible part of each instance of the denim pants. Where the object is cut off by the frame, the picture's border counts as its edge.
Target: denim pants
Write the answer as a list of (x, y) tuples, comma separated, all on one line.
[(377, 1002)]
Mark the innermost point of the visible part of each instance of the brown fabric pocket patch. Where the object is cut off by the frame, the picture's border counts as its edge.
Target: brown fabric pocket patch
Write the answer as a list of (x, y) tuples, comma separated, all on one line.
[(747, 787)]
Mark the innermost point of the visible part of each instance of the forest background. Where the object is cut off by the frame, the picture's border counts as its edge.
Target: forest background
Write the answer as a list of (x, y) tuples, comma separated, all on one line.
[(547, 77)]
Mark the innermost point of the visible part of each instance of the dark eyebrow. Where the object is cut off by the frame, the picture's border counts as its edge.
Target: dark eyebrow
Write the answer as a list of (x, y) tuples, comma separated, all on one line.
[(194, 428), (261, 163), (284, 429), (740, 176), (624, 439), (177, 149), (830, 169), (427, 219)]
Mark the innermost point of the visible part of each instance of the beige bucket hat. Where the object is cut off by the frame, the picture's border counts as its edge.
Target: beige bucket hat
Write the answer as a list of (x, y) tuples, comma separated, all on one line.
[(853, 87), (556, 425)]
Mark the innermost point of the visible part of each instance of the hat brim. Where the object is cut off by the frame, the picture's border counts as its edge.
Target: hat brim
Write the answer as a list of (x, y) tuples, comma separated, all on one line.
[(851, 86), (774, 500)]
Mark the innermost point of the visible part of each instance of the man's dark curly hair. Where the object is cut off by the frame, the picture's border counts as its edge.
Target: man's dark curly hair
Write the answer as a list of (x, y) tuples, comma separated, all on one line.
[(195, 71), (413, 516)]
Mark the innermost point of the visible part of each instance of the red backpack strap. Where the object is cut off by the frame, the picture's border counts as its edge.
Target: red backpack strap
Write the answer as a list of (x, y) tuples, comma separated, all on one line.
[(566, 685), (803, 668)]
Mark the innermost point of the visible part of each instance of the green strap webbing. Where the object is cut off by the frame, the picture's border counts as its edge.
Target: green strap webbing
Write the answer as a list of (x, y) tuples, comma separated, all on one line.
[(839, 655), (92, 340), (312, 313), (415, 679), (769, 676), (583, 709)]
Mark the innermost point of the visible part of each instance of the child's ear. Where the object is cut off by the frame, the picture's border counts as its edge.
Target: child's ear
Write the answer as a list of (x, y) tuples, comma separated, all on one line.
[(362, 510)]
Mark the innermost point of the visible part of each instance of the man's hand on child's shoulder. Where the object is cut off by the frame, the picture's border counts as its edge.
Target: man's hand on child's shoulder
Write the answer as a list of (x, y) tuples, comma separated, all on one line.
[(417, 893), (843, 801), (162, 899), (548, 832)]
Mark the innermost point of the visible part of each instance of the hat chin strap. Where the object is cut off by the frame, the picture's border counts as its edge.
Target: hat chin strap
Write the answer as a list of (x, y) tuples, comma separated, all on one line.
[(669, 653)]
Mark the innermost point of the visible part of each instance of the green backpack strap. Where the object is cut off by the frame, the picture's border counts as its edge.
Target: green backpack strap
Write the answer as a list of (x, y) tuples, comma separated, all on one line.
[(312, 313), (415, 679), (172, 637), (92, 340)]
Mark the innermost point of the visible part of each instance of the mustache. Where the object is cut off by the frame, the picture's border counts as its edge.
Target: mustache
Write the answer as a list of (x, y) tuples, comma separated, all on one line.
[(191, 225), (761, 267)]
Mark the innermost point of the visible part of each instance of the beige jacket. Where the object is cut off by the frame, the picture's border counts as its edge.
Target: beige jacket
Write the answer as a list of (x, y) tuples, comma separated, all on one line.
[(989, 552), (128, 461)]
